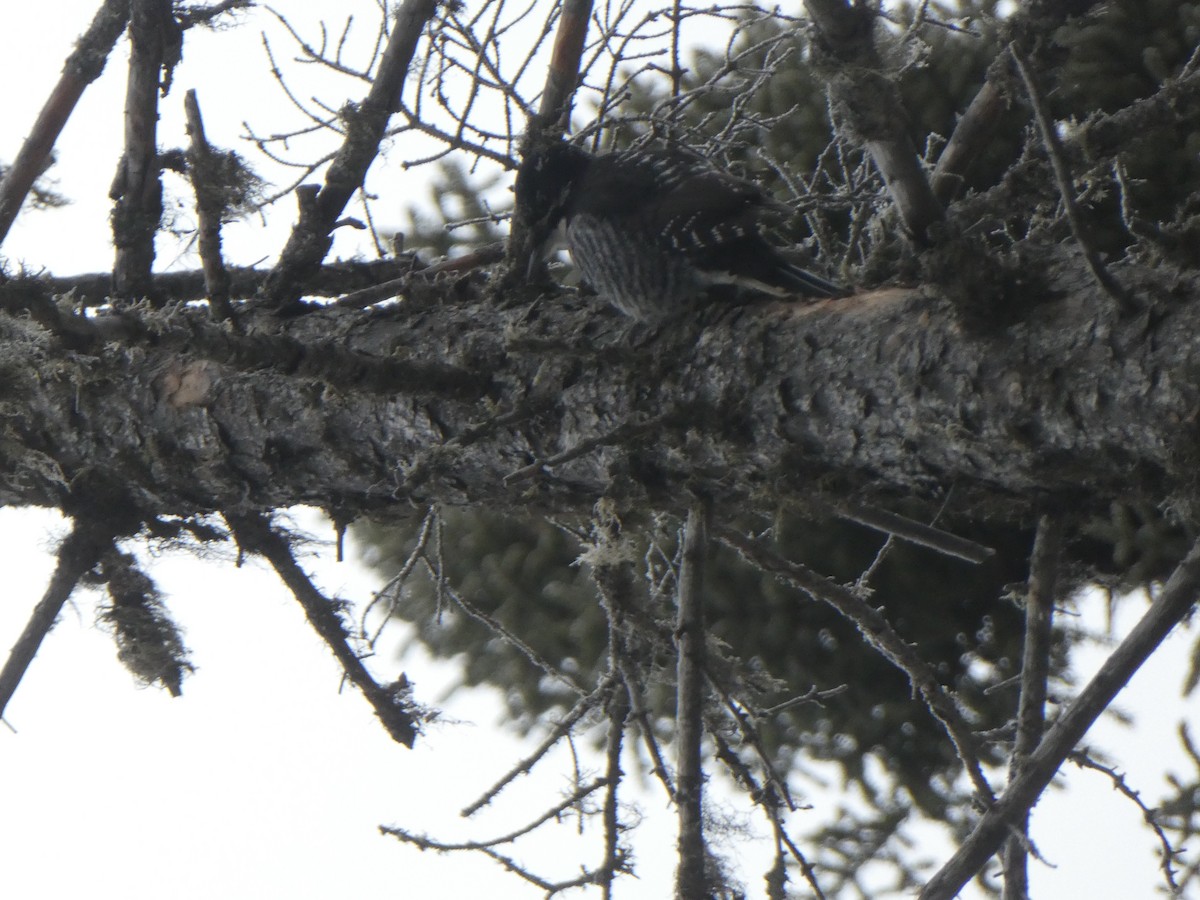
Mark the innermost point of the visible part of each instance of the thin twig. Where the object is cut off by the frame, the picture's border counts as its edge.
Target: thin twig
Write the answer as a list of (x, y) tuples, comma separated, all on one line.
[(1168, 853), (622, 433), (574, 798), (880, 634), (767, 800), (378, 293), (561, 729), (916, 532), (1126, 302)]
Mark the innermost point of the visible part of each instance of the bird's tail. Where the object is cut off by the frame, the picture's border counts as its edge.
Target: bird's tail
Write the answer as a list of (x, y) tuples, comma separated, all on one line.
[(801, 281)]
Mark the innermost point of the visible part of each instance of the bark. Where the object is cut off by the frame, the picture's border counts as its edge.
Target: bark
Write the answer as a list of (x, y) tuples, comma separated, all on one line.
[(554, 404)]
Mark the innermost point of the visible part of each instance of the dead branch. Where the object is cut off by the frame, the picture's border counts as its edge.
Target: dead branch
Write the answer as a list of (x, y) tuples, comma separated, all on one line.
[(1167, 853), (210, 210), (552, 117), (1035, 669), (614, 858), (82, 67), (870, 103), (691, 879), (880, 634), (562, 728), (769, 801), (1125, 301), (977, 125), (392, 702), (1174, 603), (81, 550), (459, 265), (313, 235), (916, 533), (330, 280), (137, 188)]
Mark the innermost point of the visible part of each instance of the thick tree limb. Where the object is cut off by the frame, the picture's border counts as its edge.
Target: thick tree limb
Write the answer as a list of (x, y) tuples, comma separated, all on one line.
[(880, 394), (82, 67), (1174, 603)]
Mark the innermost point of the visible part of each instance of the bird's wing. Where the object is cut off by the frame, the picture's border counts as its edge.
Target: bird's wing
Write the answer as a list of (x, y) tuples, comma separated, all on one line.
[(697, 209)]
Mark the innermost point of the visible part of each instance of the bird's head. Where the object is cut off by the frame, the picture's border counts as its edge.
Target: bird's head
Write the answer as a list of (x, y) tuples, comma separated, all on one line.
[(549, 173)]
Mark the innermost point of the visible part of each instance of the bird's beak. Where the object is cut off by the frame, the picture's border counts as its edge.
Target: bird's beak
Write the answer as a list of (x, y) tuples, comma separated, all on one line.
[(540, 231)]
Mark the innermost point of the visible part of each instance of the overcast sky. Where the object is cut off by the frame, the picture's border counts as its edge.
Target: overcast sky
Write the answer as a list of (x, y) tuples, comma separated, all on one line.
[(264, 780)]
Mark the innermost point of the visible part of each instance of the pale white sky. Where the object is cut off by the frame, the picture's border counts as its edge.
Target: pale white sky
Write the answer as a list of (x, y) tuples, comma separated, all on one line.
[(263, 780)]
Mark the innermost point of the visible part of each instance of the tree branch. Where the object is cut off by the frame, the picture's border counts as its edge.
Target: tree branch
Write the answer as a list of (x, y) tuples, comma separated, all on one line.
[(1035, 670), (878, 632), (552, 119), (82, 67), (691, 880), (1173, 604), (916, 533), (977, 125), (365, 127), (392, 702), (877, 396), (330, 280), (872, 108), (1126, 302), (137, 188), (210, 210), (81, 551)]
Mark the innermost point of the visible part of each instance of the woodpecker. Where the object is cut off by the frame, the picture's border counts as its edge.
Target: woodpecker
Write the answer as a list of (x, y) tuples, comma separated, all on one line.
[(653, 231)]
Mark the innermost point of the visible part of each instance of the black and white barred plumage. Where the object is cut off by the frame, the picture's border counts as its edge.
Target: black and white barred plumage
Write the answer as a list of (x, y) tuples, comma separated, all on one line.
[(652, 231)]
